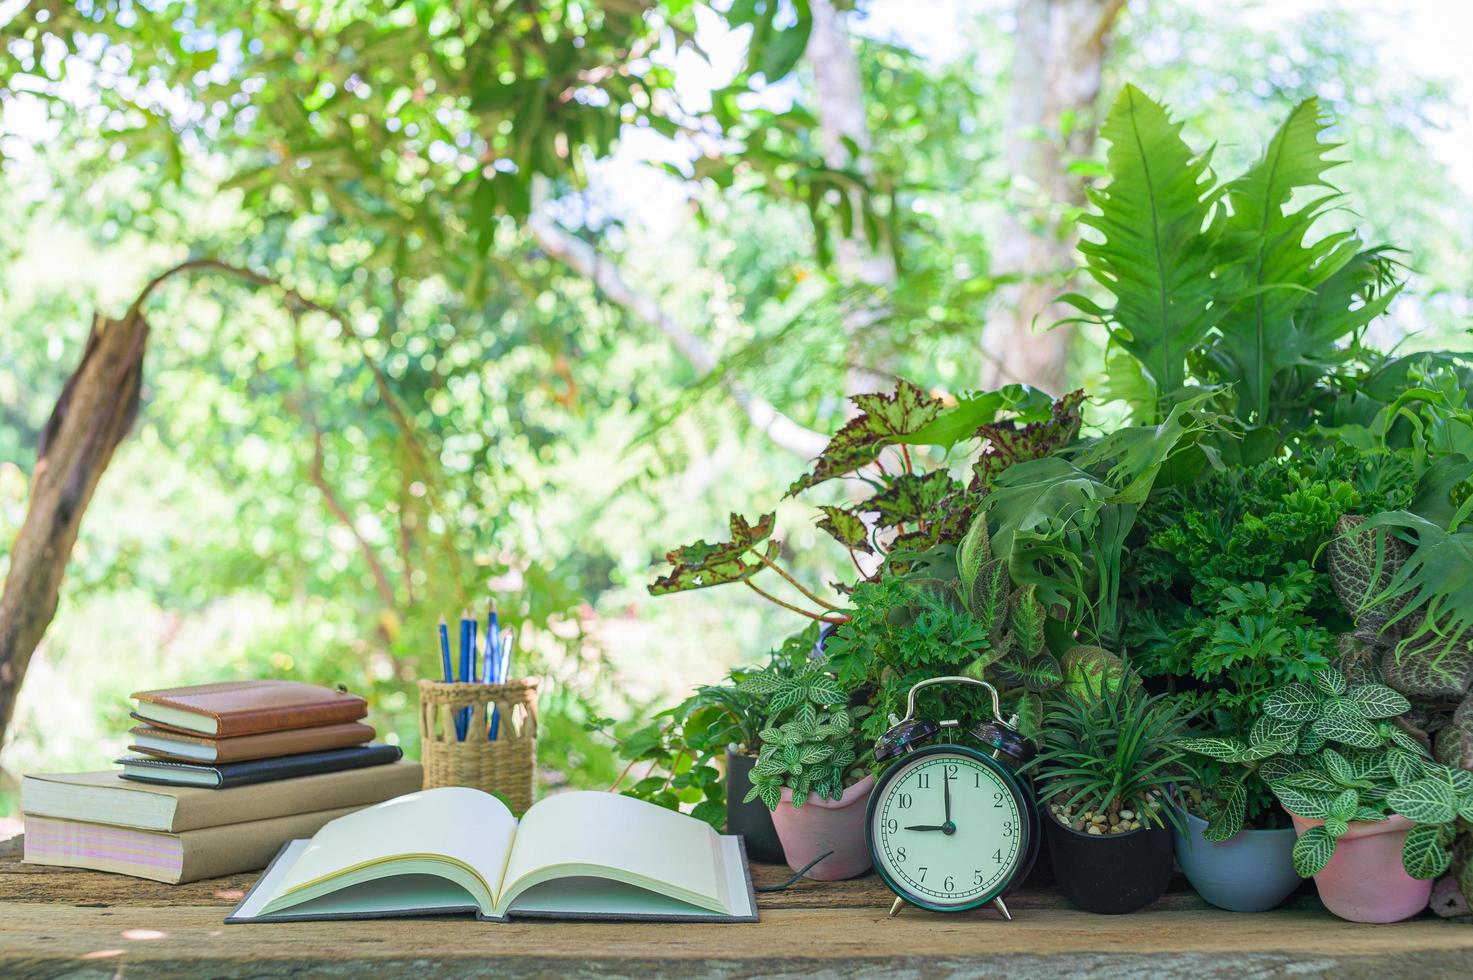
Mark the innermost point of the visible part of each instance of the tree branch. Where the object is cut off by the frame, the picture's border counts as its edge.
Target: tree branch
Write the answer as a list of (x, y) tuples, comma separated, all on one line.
[(318, 476), (837, 619), (583, 259), (296, 299)]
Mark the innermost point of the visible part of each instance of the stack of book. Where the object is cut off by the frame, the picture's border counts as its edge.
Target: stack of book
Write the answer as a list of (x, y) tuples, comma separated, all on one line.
[(225, 775), (223, 735)]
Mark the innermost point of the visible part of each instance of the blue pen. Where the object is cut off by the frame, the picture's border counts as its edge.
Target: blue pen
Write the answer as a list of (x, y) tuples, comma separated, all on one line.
[(470, 674), (502, 665), (445, 650), (493, 646), (461, 716)]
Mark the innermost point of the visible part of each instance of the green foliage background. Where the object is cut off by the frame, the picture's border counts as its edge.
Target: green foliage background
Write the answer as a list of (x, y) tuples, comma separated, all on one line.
[(563, 442)]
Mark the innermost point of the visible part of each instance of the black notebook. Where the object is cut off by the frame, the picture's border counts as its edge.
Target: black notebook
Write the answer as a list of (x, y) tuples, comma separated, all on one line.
[(150, 770), (580, 855)]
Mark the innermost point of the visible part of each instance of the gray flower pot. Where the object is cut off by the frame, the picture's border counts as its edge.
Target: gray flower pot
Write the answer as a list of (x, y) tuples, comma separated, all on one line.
[(1252, 872), (751, 821)]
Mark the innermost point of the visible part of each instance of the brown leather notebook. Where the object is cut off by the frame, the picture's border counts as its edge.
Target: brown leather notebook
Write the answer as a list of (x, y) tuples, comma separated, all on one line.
[(247, 707), (197, 748)]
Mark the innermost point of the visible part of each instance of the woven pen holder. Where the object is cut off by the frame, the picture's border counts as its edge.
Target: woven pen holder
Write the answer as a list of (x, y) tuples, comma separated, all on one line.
[(505, 765)]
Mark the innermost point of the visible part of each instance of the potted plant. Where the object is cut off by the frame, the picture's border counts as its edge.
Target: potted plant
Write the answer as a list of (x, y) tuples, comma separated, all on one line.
[(684, 749), (744, 713), (1104, 767), (1376, 816), (811, 771)]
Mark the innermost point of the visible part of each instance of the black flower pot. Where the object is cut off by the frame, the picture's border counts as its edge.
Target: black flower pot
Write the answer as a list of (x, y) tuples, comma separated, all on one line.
[(753, 821), (1110, 873)]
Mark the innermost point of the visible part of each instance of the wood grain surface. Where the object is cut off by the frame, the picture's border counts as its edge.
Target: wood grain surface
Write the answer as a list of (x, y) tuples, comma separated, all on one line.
[(56, 922)]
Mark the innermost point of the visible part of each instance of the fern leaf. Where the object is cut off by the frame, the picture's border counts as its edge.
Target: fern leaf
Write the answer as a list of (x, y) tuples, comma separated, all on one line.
[(1156, 223), (1276, 271)]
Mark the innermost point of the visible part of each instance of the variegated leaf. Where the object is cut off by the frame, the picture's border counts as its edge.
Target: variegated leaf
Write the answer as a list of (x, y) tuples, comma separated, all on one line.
[(1293, 702), (1304, 803), (1331, 683), (1425, 801), (1312, 851), (1348, 731), (1423, 854), (1377, 701)]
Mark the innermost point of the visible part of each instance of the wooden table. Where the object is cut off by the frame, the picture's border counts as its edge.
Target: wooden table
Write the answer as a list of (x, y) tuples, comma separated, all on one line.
[(61, 923)]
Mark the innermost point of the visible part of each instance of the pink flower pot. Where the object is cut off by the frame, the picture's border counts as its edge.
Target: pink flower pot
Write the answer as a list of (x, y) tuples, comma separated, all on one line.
[(1365, 880), (821, 825)]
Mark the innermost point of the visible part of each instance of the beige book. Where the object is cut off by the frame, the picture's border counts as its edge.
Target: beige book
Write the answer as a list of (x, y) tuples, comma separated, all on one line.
[(105, 797), (171, 858)]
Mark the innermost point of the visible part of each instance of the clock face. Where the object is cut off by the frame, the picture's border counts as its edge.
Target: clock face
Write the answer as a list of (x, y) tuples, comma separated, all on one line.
[(947, 829)]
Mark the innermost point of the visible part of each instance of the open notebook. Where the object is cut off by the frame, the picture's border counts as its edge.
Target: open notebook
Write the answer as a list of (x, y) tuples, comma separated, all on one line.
[(448, 850)]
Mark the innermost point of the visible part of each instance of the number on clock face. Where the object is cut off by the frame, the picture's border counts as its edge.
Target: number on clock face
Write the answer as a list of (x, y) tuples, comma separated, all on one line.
[(946, 829)]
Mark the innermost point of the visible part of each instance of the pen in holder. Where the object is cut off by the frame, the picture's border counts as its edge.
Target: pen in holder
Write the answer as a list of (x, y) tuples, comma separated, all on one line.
[(499, 751)]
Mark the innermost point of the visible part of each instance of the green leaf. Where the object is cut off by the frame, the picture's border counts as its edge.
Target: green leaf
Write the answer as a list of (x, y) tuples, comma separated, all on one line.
[(1222, 749), (1039, 673), (1312, 851), (701, 565), (973, 551), (1228, 820), (712, 812), (1407, 742), (1330, 683), (1279, 322), (1344, 805), (1026, 615), (1348, 731), (845, 527), (1268, 730), (1136, 454), (1153, 249), (1434, 589), (1426, 801), (1377, 701), (1336, 827), (976, 409), (1311, 805), (911, 498), (1310, 779), (1336, 766), (1292, 702), (1405, 767), (1010, 442), (1362, 564), (1423, 854), (1310, 741), (823, 690), (882, 421), (988, 599)]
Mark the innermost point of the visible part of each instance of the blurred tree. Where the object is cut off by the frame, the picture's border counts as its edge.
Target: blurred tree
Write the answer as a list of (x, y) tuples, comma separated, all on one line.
[(1059, 55), (425, 125)]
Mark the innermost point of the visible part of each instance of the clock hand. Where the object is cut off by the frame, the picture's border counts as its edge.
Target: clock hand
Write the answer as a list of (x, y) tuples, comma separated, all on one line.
[(927, 827), (946, 795)]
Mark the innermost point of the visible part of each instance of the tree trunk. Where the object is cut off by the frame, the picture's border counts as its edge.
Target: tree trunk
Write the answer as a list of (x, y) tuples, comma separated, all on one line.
[(841, 116), (94, 412), (1060, 49)]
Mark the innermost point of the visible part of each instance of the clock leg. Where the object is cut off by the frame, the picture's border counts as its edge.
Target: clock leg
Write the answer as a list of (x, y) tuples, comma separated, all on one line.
[(897, 905), (1001, 907)]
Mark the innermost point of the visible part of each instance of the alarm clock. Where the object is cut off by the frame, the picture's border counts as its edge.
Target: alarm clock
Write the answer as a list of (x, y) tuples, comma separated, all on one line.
[(949, 826)]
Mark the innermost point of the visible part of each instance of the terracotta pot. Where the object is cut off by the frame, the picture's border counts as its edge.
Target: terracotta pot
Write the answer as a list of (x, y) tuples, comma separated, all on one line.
[(1365, 881), (821, 825), (1251, 872)]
